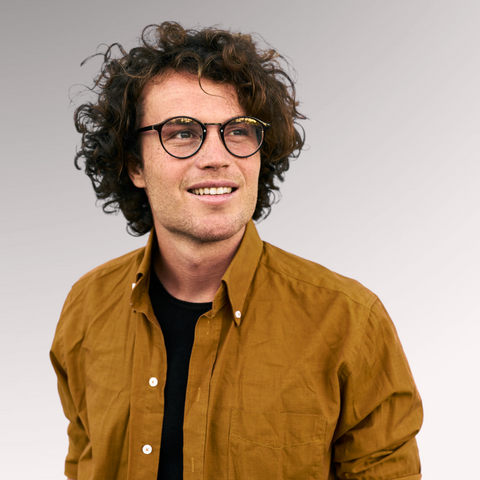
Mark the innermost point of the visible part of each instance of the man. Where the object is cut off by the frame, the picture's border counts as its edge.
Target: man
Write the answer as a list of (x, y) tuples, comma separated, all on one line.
[(210, 354)]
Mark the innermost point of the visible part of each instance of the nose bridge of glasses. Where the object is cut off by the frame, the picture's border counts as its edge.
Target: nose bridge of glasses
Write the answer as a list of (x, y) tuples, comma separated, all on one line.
[(214, 124), (220, 133)]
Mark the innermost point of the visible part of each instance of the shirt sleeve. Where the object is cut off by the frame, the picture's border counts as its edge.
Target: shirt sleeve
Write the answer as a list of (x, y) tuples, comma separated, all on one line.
[(78, 439), (381, 409)]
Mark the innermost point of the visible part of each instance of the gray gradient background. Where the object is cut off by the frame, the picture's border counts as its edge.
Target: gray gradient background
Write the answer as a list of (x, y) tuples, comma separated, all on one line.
[(386, 192)]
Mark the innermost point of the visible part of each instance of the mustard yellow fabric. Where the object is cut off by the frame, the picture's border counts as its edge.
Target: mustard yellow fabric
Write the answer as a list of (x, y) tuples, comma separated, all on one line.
[(295, 373)]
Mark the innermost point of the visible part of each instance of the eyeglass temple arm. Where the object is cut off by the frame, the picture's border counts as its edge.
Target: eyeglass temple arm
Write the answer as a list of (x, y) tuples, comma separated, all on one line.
[(145, 129)]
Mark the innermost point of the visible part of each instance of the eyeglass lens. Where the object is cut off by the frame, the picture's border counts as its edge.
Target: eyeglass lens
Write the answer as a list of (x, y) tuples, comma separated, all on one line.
[(183, 136)]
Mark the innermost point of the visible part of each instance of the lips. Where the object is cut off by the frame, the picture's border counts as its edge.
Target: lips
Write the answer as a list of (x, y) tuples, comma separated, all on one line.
[(211, 191), (213, 188)]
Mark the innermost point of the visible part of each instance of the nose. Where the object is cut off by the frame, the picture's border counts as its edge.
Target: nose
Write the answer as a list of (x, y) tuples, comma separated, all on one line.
[(213, 153)]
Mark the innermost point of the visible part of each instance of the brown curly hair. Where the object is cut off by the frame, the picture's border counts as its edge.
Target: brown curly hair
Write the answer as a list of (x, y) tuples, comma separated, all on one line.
[(109, 126)]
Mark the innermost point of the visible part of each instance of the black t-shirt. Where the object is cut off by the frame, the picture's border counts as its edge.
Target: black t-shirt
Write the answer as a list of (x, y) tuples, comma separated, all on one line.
[(177, 320)]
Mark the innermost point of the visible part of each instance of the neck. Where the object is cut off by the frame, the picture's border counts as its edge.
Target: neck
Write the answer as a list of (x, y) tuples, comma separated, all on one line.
[(192, 271)]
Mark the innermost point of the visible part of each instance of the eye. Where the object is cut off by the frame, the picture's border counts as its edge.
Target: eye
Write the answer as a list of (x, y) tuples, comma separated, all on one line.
[(238, 131), (187, 134), (181, 130)]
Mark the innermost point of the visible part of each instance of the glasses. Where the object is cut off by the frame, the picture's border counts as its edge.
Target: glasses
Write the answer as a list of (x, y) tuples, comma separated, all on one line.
[(183, 137)]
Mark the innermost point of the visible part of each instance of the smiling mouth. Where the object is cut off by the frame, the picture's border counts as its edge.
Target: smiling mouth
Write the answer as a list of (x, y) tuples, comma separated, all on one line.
[(212, 191)]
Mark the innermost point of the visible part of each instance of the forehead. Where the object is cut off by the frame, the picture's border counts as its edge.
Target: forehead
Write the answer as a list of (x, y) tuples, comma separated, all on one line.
[(178, 94)]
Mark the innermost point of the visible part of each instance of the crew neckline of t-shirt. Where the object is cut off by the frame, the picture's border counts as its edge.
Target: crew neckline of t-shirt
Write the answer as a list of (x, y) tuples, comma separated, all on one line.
[(158, 286)]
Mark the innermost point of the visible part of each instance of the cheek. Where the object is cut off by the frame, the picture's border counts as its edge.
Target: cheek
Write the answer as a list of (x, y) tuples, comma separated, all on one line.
[(166, 179), (157, 168), (254, 171)]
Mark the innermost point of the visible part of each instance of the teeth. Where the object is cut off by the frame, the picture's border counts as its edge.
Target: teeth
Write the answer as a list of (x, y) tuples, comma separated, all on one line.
[(212, 191)]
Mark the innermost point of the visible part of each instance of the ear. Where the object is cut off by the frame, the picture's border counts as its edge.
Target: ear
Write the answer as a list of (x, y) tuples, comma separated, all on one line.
[(135, 172)]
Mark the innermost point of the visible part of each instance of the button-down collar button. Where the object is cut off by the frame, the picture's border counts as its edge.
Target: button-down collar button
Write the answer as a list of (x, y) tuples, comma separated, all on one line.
[(153, 382), (238, 314), (133, 285), (147, 449)]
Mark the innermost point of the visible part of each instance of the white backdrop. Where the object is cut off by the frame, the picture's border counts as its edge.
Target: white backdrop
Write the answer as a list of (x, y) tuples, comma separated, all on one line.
[(386, 191)]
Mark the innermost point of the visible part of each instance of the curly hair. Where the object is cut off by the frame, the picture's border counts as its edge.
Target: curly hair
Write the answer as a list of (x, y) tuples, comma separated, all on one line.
[(109, 125)]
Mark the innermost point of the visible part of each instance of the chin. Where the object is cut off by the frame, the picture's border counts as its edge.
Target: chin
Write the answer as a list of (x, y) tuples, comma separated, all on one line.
[(215, 228), (217, 231)]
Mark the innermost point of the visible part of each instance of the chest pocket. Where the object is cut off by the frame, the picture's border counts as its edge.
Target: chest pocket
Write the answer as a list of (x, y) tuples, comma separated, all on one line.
[(275, 446)]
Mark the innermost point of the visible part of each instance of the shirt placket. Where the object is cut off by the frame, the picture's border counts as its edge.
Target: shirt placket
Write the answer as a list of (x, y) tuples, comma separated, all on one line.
[(147, 398), (202, 360)]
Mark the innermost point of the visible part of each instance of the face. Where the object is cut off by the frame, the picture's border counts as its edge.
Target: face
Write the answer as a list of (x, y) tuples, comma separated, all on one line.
[(172, 185)]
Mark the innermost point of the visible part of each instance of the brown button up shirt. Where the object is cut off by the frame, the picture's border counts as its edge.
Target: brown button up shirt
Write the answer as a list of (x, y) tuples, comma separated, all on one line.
[(295, 373)]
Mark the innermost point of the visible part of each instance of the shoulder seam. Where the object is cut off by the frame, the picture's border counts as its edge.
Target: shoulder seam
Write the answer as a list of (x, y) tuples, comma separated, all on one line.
[(105, 267), (369, 306)]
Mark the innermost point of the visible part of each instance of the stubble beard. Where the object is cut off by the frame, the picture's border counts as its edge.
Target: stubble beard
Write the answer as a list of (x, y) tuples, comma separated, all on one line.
[(213, 231), (210, 228)]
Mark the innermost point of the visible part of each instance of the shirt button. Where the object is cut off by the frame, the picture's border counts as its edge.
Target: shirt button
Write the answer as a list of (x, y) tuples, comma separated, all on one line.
[(147, 449), (153, 382), (238, 314)]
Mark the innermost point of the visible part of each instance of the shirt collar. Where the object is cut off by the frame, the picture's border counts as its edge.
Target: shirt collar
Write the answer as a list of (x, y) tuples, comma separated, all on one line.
[(241, 271), (139, 299), (236, 280), (146, 263)]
